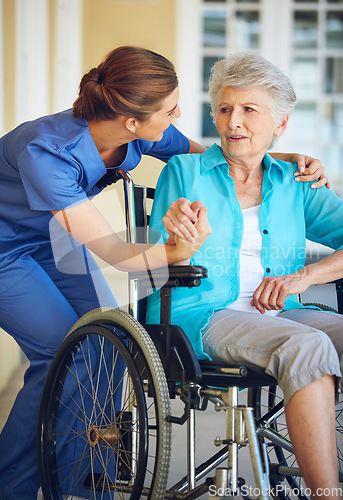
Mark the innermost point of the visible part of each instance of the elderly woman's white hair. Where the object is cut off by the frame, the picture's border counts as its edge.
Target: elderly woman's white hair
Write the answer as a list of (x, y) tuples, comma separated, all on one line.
[(246, 70)]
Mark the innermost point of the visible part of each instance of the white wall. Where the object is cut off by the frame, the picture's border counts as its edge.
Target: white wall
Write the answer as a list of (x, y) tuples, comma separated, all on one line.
[(10, 357), (68, 53), (32, 59)]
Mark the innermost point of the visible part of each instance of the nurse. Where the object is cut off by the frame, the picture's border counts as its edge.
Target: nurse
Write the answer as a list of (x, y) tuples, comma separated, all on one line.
[(49, 170)]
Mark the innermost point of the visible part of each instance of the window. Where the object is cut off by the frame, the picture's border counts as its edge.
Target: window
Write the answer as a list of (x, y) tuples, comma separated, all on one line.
[(304, 38)]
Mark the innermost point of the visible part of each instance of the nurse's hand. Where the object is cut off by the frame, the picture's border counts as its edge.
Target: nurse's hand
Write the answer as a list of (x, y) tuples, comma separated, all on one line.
[(181, 219), (273, 290), (310, 170)]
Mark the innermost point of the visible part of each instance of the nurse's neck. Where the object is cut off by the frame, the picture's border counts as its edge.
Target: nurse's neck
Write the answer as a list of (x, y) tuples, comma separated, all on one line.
[(109, 135), (111, 138)]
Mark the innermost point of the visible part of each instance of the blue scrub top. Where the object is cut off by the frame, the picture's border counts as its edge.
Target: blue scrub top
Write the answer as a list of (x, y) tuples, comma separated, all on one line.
[(51, 164)]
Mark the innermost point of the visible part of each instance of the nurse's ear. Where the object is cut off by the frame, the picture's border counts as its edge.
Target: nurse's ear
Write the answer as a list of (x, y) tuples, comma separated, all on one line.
[(130, 125)]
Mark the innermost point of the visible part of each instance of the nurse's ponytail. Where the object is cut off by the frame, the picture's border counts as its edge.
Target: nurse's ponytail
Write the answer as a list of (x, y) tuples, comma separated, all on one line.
[(131, 82)]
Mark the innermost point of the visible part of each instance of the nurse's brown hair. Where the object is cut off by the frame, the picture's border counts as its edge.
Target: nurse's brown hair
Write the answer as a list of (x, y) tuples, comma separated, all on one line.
[(131, 81)]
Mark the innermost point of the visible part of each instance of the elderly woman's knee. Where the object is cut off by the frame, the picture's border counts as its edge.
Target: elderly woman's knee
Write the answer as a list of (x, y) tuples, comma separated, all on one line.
[(305, 358), (311, 342)]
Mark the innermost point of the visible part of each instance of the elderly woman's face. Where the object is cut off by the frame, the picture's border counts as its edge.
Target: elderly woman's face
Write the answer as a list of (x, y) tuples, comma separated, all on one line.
[(245, 123)]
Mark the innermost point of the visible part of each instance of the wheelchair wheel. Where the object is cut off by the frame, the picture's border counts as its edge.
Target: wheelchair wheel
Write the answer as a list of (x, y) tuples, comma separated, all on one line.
[(103, 430), (323, 307), (286, 481)]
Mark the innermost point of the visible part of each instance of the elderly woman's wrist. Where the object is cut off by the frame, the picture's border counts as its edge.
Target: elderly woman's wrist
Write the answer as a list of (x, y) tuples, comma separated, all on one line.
[(313, 274)]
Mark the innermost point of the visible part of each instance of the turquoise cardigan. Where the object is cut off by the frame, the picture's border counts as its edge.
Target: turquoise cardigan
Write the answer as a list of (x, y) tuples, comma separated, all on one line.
[(290, 212)]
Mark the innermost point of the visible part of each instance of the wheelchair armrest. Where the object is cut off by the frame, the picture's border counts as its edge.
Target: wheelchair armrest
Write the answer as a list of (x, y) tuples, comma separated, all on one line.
[(171, 277), (182, 276)]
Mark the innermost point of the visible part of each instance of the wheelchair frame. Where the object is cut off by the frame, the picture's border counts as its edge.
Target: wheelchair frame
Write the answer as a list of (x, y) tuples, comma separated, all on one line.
[(163, 360)]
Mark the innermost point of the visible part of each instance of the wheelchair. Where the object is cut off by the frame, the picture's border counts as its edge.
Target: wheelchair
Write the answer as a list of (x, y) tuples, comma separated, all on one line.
[(107, 403)]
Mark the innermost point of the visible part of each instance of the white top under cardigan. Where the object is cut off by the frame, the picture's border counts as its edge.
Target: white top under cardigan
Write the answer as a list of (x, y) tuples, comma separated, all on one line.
[(251, 269)]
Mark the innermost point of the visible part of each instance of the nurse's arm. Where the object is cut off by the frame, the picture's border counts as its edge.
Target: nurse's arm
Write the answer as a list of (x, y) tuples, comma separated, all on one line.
[(89, 227), (195, 147), (310, 169)]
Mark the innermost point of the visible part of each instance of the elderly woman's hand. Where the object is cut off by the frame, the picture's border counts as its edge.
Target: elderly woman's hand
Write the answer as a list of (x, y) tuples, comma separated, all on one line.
[(273, 290), (310, 169), (181, 218)]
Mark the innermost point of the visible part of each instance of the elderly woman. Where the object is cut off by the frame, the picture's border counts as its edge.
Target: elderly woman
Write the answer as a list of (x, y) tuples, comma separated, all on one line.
[(248, 310)]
